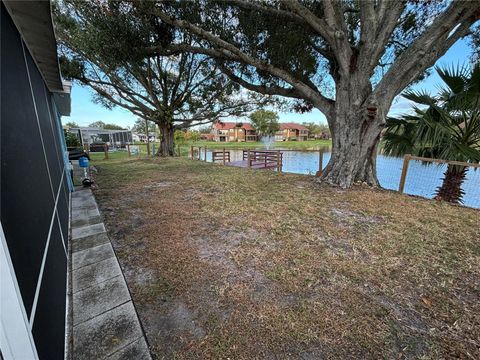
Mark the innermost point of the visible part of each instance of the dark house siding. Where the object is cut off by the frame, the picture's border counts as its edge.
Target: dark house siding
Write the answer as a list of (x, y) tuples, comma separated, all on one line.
[(35, 197)]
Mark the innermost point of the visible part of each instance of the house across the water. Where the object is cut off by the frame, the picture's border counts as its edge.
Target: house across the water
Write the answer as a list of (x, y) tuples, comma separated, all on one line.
[(292, 132), (233, 132), (243, 132)]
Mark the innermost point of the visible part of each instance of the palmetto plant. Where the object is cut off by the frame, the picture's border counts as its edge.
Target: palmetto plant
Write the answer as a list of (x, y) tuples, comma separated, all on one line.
[(445, 126)]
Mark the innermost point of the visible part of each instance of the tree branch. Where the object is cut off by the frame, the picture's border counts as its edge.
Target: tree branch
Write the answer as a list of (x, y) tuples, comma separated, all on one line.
[(262, 89), (225, 50), (368, 21), (256, 5), (445, 30), (135, 110), (212, 115), (332, 29), (376, 30)]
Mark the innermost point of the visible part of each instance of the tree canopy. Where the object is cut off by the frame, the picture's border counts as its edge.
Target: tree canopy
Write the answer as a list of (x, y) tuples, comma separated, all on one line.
[(100, 45), (265, 122), (182, 136), (140, 126), (100, 124), (349, 58), (113, 127), (205, 129), (318, 130), (71, 124), (72, 140)]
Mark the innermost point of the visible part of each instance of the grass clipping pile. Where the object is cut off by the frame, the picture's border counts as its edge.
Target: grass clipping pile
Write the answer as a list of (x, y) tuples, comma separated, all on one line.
[(225, 262)]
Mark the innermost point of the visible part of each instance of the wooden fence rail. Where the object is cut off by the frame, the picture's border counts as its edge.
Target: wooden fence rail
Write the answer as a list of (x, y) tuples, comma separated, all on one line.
[(264, 159), (223, 156)]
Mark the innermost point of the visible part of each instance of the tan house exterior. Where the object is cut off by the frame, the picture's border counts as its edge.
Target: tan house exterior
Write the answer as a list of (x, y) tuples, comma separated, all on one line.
[(244, 132), (233, 132), (291, 131)]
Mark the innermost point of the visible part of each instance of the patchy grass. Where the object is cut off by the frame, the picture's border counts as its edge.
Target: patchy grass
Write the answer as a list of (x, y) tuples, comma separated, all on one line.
[(115, 155), (123, 154), (235, 263)]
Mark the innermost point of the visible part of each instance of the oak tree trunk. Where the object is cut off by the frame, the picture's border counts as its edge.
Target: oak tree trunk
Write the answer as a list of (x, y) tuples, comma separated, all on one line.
[(356, 126), (451, 188), (167, 146)]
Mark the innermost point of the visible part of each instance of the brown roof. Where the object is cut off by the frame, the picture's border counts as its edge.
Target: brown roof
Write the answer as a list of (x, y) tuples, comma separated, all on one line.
[(231, 125), (295, 126)]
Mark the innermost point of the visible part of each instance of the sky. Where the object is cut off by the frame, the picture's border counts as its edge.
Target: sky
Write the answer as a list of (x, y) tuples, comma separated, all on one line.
[(85, 111)]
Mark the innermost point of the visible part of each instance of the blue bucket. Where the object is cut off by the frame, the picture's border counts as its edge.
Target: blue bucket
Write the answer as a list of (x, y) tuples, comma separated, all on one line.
[(83, 162)]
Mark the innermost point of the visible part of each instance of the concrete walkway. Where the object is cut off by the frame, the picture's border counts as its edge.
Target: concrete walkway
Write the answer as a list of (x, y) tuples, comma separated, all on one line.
[(105, 323)]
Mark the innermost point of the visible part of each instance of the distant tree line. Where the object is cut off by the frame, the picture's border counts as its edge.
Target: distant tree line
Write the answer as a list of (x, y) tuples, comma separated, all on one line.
[(318, 131), (98, 124), (265, 122)]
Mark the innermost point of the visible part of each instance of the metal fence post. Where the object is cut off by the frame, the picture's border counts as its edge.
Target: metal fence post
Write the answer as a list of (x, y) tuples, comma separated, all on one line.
[(406, 160), (128, 149), (249, 163), (279, 162), (223, 156), (191, 151), (205, 153), (148, 137), (320, 163), (105, 149)]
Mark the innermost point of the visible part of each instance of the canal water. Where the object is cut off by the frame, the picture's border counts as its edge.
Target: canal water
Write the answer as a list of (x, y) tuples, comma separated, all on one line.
[(422, 180)]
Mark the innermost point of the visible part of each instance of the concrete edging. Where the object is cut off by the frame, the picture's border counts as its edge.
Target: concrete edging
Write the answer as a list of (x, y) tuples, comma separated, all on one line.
[(104, 323)]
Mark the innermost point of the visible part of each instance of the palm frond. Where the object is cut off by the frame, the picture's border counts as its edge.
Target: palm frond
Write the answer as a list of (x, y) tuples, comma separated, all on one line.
[(454, 77), (449, 127), (420, 97), (463, 87), (399, 135)]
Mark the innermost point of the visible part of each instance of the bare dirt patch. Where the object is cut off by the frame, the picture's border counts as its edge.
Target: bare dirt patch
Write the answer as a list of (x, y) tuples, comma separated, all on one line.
[(232, 263)]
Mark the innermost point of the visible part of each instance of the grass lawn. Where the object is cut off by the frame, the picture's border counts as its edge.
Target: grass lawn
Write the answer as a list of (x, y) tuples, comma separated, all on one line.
[(185, 147), (296, 145), (234, 263)]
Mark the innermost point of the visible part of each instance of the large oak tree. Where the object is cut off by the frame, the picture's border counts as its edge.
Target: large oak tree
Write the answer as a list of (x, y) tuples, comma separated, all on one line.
[(349, 58), (102, 47)]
